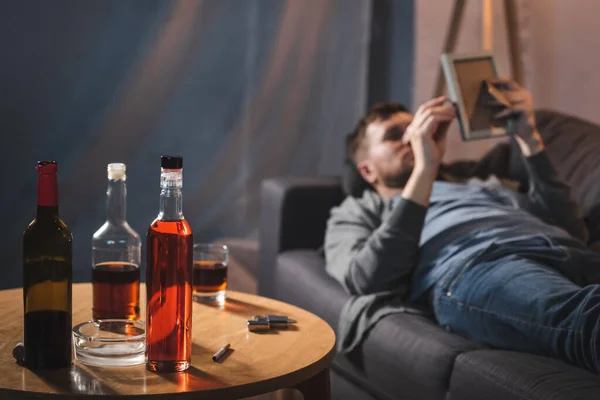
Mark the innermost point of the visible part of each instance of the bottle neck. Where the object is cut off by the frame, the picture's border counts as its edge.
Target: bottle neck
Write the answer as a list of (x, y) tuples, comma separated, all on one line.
[(171, 196), (116, 195), (47, 199), (171, 205), (47, 211)]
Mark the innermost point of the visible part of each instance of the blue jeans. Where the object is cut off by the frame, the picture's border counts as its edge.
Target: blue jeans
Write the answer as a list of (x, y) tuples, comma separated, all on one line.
[(534, 297)]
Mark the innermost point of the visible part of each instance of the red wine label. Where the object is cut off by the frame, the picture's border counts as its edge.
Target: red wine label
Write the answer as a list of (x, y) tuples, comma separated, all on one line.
[(47, 185)]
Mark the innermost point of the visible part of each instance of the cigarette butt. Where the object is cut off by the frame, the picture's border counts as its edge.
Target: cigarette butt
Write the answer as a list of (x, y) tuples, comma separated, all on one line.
[(221, 352)]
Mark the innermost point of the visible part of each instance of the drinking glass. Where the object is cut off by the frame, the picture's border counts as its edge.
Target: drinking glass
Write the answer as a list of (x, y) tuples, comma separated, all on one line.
[(210, 273)]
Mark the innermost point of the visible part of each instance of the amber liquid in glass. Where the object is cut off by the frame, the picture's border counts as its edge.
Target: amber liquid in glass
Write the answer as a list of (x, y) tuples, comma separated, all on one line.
[(210, 276), (116, 291), (169, 295)]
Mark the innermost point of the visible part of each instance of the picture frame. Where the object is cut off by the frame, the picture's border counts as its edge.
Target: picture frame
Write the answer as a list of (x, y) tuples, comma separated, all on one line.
[(476, 101)]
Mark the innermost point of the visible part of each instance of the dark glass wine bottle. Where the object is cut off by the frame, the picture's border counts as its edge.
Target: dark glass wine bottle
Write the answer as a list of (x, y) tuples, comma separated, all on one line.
[(47, 279), (169, 277)]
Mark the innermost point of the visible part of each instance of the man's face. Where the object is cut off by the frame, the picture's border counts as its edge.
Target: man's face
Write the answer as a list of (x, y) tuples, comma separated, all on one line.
[(388, 160)]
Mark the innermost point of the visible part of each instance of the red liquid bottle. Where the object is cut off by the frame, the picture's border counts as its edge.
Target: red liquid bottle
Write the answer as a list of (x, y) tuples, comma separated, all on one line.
[(169, 277)]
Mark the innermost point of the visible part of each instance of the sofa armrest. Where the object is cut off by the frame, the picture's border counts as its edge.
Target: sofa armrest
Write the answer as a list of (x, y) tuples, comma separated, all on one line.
[(293, 215)]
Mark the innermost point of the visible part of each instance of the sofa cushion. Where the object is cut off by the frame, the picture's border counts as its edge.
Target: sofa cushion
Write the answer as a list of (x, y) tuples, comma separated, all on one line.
[(403, 354), (500, 375), (342, 388), (302, 281)]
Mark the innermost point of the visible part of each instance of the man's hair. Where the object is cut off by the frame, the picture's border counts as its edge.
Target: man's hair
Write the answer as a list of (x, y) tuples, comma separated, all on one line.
[(379, 112)]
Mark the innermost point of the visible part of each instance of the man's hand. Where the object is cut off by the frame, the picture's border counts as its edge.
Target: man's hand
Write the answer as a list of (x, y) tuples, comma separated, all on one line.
[(427, 133), (521, 101), (427, 136)]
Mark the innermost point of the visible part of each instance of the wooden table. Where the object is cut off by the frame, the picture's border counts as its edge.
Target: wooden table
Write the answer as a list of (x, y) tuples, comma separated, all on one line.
[(258, 362)]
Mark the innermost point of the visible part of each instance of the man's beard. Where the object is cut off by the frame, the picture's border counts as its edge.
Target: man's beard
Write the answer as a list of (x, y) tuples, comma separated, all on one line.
[(397, 181)]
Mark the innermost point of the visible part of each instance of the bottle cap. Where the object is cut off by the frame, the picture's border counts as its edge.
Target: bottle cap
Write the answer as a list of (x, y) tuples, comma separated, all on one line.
[(171, 162), (116, 171), (47, 167), (258, 325)]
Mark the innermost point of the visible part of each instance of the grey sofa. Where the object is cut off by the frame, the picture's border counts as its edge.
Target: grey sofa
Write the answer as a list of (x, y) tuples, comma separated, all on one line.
[(410, 356)]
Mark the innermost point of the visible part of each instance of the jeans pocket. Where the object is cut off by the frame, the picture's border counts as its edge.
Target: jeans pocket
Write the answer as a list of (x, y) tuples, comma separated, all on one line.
[(478, 258)]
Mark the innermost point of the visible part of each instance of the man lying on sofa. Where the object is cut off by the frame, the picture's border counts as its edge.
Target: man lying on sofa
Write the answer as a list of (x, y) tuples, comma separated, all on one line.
[(500, 267)]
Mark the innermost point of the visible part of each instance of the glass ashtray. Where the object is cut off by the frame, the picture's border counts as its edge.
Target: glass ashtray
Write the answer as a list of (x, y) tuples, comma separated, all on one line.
[(110, 342)]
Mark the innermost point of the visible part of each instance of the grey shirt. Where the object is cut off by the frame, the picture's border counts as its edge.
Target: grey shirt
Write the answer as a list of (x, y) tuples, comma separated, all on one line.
[(401, 249)]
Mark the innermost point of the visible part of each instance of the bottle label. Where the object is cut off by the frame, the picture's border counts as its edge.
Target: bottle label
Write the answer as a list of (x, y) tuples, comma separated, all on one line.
[(48, 296), (47, 283), (47, 186)]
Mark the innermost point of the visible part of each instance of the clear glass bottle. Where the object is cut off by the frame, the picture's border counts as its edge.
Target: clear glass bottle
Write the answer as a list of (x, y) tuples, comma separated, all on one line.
[(169, 277), (116, 253)]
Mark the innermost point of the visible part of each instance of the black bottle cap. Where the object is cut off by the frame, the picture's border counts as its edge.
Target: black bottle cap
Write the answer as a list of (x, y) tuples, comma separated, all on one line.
[(171, 162), (41, 163), (47, 167)]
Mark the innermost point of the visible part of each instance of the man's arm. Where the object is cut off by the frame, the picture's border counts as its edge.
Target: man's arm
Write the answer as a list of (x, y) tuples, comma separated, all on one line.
[(366, 260), (550, 197)]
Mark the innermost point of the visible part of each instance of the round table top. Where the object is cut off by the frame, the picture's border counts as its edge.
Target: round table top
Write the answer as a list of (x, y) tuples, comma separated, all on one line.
[(257, 363)]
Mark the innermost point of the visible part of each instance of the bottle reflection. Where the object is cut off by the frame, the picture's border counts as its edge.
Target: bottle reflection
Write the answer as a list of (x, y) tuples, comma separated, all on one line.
[(71, 380), (82, 382), (182, 381)]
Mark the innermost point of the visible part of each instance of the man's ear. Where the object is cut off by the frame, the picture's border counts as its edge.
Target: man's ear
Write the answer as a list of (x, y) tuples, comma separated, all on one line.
[(366, 170)]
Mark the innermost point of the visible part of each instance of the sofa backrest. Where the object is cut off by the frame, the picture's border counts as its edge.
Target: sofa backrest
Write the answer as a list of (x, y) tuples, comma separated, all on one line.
[(294, 213)]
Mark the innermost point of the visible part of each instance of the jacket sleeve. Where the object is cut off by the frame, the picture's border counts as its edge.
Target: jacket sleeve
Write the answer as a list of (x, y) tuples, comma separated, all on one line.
[(550, 197), (368, 260)]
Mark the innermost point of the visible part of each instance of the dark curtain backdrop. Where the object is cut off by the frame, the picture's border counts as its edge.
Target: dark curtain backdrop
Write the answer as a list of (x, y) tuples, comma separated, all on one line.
[(243, 90)]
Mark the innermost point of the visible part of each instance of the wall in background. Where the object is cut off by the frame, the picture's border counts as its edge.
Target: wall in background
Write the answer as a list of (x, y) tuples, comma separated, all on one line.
[(391, 52), (564, 70), (242, 89)]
